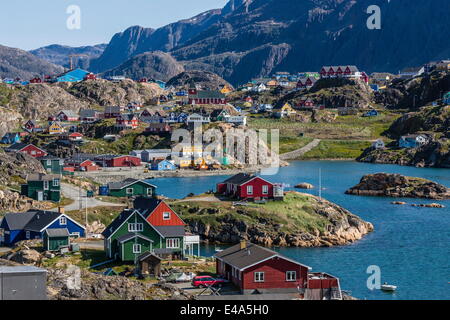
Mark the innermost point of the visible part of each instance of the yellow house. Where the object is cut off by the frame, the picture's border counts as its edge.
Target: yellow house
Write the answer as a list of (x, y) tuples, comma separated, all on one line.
[(287, 109), (225, 89), (272, 83), (56, 128)]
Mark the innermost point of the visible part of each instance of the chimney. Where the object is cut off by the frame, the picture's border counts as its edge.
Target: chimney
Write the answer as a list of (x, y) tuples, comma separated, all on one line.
[(243, 244), (61, 210)]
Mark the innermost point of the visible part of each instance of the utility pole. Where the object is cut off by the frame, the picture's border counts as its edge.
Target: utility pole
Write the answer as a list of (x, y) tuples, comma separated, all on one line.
[(86, 217), (320, 183)]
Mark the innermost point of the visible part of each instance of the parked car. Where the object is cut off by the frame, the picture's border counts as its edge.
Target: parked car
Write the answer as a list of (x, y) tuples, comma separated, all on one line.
[(207, 281)]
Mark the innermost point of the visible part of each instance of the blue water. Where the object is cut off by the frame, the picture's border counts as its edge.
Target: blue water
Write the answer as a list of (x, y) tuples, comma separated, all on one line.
[(410, 245)]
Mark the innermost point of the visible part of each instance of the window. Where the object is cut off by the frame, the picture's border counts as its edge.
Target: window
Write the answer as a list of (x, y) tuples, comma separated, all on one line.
[(63, 221), (259, 276), (166, 215), (265, 189), (291, 275), (249, 189), (149, 191), (135, 227), (136, 248), (27, 234), (33, 153), (45, 185), (56, 182), (173, 243), (129, 190), (49, 162)]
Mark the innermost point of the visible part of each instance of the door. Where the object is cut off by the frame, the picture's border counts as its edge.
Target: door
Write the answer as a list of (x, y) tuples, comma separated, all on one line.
[(40, 195)]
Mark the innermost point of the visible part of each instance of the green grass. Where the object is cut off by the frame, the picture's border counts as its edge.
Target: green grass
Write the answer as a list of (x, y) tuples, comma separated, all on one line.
[(103, 214), (337, 149)]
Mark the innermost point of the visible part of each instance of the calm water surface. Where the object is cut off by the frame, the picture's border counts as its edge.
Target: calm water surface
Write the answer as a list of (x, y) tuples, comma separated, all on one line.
[(410, 245)]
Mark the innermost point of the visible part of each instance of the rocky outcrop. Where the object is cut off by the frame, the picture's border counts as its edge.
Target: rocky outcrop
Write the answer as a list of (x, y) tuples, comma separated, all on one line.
[(342, 227), (304, 185), (398, 186), (9, 120), (11, 201), (204, 79), (152, 65), (17, 164)]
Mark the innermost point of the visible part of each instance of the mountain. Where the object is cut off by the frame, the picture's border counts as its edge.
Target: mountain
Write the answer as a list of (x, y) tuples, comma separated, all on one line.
[(254, 38), (153, 65), (58, 54), (16, 63)]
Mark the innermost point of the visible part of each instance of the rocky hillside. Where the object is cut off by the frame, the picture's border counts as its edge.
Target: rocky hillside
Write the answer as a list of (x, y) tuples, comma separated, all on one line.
[(301, 220), (415, 93), (59, 55), (16, 63), (433, 121), (152, 65), (252, 38), (398, 186), (334, 93), (204, 79)]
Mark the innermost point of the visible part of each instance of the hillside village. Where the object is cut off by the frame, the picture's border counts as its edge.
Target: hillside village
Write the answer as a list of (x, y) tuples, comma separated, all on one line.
[(108, 152)]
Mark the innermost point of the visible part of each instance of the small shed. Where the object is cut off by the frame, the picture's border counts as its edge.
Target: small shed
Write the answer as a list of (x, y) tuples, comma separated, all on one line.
[(55, 239), (149, 264)]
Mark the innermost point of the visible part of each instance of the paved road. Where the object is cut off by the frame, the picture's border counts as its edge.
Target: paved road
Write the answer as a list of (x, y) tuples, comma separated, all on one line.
[(293, 155), (73, 193)]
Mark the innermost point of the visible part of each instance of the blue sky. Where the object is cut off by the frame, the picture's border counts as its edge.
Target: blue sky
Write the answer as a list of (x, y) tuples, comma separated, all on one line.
[(32, 24)]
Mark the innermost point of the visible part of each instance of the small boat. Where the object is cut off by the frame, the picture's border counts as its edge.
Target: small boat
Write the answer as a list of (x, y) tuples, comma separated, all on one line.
[(218, 249), (388, 287)]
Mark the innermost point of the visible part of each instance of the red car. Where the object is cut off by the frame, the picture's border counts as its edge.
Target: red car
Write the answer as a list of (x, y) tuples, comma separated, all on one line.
[(206, 281)]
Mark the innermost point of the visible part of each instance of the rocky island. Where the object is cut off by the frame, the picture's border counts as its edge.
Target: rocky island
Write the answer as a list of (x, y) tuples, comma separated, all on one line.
[(399, 186), (301, 220)]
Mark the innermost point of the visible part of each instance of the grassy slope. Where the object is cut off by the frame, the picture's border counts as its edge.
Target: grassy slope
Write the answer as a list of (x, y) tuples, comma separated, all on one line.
[(294, 214), (344, 138)]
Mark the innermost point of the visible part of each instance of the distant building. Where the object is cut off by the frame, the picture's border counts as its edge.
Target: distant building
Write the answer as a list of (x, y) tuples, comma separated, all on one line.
[(158, 128), (52, 164), (127, 121), (130, 188), (371, 113), (89, 115), (113, 112), (205, 96), (67, 115), (163, 165), (117, 161), (378, 145), (154, 154), (11, 138), (73, 76), (29, 149)]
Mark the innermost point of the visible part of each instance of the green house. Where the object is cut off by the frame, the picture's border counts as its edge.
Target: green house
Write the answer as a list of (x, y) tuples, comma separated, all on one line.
[(130, 188), (55, 239), (130, 235), (52, 164), (42, 187)]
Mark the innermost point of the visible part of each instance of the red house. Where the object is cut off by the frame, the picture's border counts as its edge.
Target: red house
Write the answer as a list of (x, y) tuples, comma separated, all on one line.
[(158, 213), (255, 269), (82, 164), (67, 115), (117, 161), (90, 76), (158, 128), (29, 149), (249, 187), (36, 80), (127, 121)]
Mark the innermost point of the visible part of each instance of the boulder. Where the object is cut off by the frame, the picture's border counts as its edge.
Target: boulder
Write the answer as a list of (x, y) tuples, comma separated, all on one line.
[(304, 185)]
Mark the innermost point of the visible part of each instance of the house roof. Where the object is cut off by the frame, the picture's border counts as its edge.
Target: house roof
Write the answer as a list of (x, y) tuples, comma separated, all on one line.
[(42, 177), (146, 205), (251, 255), (10, 135), (17, 146), (124, 215), (59, 232), (146, 255), (18, 221), (170, 231), (241, 178), (208, 94), (125, 183), (33, 220), (69, 113), (130, 236), (87, 113), (128, 116)]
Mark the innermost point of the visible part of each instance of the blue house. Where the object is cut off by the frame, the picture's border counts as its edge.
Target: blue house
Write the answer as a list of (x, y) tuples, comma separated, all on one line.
[(163, 165), (371, 113), (73, 76), (10, 138), (16, 227), (182, 117), (412, 141), (447, 98)]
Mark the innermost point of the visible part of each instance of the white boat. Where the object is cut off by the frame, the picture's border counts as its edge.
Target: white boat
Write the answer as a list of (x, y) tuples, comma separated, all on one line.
[(388, 287)]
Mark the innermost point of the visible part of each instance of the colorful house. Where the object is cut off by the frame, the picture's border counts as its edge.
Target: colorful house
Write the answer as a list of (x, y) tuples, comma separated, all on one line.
[(73, 76), (447, 98), (89, 115), (31, 125), (117, 161), (163, 165), (255, 269), (112, 112), (130, 235), (131, 187), (29, 149), (158, 128), (55, 128), (249, 187), (67, 115), (56, 239), (413, 141), (127, 121), (34, 223), (42, 187), (205, 97), (11, 138), (371, 113), (52, 164)]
